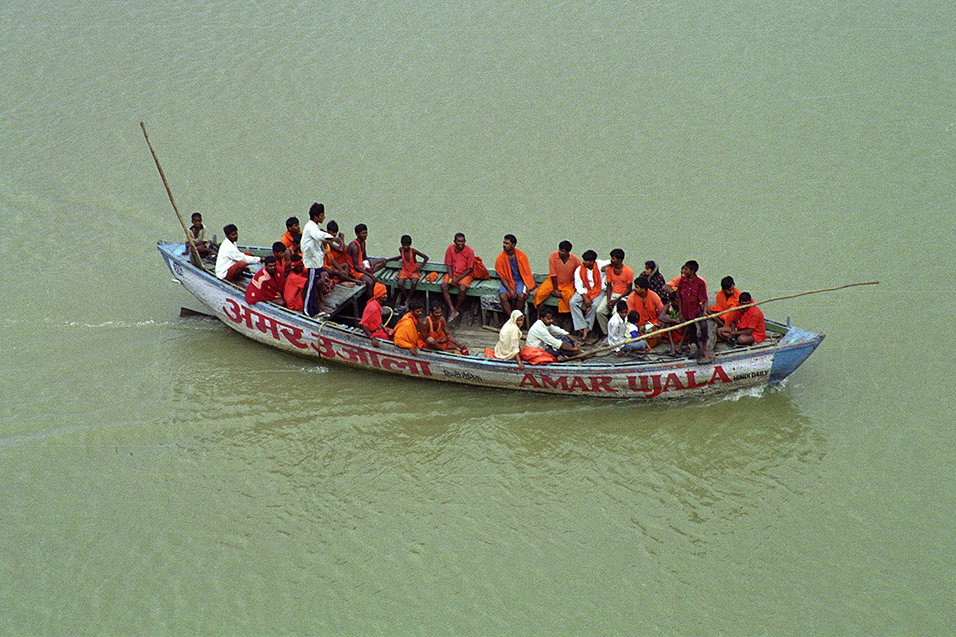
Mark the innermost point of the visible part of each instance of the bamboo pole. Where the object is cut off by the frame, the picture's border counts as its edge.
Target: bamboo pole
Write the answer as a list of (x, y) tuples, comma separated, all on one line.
[(709, 316), (194, 253)]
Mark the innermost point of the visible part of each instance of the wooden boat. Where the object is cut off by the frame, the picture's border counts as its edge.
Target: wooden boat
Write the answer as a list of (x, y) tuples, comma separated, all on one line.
[(332, 340)]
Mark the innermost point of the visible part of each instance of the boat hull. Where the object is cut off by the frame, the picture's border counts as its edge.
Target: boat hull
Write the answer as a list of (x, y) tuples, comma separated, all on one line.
[(329, 342)]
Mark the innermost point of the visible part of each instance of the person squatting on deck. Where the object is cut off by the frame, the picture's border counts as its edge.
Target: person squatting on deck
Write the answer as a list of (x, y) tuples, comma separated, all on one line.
[(434, 333), (748, 327), (406, 331), (508, 346), (371, 322), (514, 271), (544, 334), (230, 262), (460, 260), (200, 236)]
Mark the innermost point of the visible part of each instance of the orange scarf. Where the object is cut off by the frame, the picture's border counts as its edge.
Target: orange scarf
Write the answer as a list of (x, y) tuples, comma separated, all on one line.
[(503, 270), (595, 289)]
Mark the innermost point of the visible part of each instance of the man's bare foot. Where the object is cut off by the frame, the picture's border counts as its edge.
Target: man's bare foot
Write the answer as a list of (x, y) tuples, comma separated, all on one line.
[(453, 316)]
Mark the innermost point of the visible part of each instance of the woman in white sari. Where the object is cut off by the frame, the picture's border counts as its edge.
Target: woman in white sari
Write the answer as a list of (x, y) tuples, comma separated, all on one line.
[(509, 339)]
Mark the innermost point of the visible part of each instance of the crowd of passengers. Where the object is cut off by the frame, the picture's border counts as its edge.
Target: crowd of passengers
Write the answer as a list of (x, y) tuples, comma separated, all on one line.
[(600, 295)]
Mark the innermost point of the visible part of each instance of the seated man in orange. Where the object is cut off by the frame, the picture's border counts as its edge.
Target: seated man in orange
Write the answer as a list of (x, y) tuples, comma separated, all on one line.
[(294, 284), (361, 267), (434, 332), (513, 269), (371, 322), (406, 331), (460, 261), (411, 271), (647, 305), (265, 285), (750, 327), (560, 281)]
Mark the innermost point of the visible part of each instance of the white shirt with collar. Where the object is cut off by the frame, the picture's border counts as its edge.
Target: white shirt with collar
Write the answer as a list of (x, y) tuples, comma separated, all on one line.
[(313, 252), (579, 286), (541, 334), (228, 255)]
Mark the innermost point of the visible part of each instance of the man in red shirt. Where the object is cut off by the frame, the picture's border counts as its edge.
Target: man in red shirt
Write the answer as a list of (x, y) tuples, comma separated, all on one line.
[(750, 326), (371, 322), (460, 260), (692, 292), (265, 284)]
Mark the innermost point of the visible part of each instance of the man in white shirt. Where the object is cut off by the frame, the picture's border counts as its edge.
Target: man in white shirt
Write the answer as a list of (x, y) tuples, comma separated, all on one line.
[(618, 332), (230, 262), (588, 288), (313, 243), (544, 334)]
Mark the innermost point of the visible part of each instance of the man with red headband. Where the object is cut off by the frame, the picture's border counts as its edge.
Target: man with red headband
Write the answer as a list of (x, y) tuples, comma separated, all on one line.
[(371, 322)]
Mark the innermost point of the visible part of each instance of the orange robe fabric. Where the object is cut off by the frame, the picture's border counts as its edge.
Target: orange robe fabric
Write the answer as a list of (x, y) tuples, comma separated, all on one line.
[(564, 273), (406, 332), (726, 301), (752, 317), (436, 333), (503, 270), (649, 307), (410, 267), (593, 290), (292, 293)]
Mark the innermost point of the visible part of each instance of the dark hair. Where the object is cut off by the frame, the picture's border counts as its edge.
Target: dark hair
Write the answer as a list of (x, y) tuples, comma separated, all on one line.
[(295, 258), (726, 283), (673, 298), (513, 239), (565, 245), (589, 255), (621, 305), (416, 304), (316, 210), (278, 246), (617, 253), (650, 264), (332, 226), (229, 227), (406, 240), (460, 234), (269, 259), (291, 221), (692, 265), (360, 227), (194, 215), (634, 317), (433, 305), (642, 281), (296, 238), (745, 298), (545, 311)]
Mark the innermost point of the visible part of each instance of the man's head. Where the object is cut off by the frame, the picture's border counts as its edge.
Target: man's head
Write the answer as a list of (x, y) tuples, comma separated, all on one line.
[(231, 231), (406, 240), (435, 309), (509, 243), (641, 283), (564, 249), (621, 307), (292, 225), (270, 264), (379, 291), (196, 219), (547, 315), (459, 241), (278, 249), (416, 307), (333, 227), (297, 265), (588, 258), (689, 269), (745, 298), (361, 232), (617, 256), (727, 284), (317, 212)]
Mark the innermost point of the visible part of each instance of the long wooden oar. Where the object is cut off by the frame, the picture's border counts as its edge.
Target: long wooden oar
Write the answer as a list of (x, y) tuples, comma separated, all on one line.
[(709, 316), (194, 253)]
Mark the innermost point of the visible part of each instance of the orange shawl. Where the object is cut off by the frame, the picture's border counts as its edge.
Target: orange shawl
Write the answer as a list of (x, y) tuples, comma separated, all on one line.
[(593, 290), (503, 270)]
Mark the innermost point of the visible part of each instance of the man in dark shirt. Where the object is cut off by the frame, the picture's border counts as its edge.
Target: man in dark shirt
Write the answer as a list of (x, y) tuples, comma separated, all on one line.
[(692, 292)]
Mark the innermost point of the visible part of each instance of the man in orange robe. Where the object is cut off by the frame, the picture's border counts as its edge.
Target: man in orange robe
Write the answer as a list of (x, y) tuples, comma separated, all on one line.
[(560, 281), (294, 284), (371, 322), (406, 331), (750, 328), (513, 269)]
